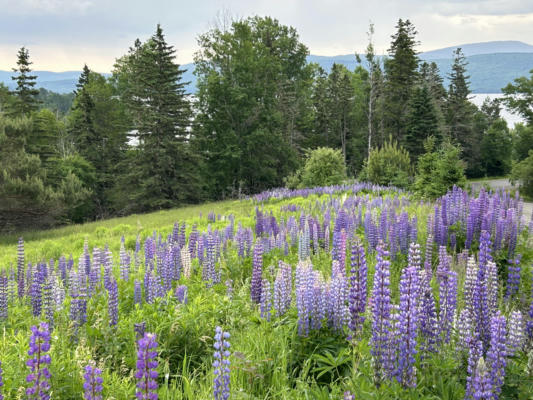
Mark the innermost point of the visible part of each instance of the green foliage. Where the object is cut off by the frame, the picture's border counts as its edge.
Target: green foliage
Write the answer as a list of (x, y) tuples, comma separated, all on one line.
[(522, 137), (388, 165), (25, 92), (58, 103), (164, 171), (323, 167), (438, 170), (519, 97), (421, 122), (496, 149), (401, 74), (253, 86), (522, 172)]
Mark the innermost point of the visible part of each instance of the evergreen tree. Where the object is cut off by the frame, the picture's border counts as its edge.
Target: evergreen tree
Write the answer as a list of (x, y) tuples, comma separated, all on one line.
[(163, 170), (421, 122), (98, 125), (401, 72), (464, 127), (25, 92), (519, 97)]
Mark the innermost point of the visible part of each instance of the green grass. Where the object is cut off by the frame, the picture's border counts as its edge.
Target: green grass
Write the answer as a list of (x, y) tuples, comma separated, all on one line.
[(269, 359)]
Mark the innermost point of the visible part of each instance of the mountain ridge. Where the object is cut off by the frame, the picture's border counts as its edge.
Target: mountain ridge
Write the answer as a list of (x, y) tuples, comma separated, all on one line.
[(492, 65)]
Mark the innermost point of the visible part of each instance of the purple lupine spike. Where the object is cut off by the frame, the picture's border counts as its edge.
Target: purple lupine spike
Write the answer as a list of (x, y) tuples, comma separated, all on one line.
[(408, 325), (464, 329), (257, 272), (36, 290), (146, 373), (266, 300), (529, 325), (447, 280), (474, 355), (221, 363), (429, 254), (413, 258), (496, 355), (112, 302), (92, 382), (48, 302), (515, 333), (125, 262), (20, 268), (304, 293), (492, 286), (348, 395), (513, 276), (427, 314), (4, 295), (38, 362), (381, 309), (137, 292), (181, 294), (358, 286), (283, 288), (482, 386)]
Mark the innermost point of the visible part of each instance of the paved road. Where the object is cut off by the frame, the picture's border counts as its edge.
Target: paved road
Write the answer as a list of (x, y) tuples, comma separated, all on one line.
[(503, 184)]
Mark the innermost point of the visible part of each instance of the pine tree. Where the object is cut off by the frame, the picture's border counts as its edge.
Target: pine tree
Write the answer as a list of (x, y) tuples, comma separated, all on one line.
[(25, 91), (401, 71), (421, 122), (164, 171)]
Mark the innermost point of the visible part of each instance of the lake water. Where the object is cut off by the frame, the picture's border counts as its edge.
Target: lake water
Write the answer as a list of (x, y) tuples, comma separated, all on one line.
[(511, 119)]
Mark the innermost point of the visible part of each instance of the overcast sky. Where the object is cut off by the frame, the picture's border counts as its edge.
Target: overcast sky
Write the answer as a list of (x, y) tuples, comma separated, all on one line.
[(64, 34)]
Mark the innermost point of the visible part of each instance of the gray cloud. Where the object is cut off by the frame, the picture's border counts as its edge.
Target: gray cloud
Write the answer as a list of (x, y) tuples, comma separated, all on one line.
[(66, 33)]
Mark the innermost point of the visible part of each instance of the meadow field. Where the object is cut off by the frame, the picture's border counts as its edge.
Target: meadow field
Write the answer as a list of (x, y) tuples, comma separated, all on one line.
[(343, 292)]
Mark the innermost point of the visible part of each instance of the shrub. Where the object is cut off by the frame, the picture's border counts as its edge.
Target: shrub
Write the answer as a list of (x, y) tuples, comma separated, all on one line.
[(388, 165), (523, 173), (323, 167), (438, 170)]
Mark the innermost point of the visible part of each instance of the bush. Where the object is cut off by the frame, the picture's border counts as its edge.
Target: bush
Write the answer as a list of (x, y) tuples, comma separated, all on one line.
[(439, 170), (388, 165), (323, 167), (523, 173)]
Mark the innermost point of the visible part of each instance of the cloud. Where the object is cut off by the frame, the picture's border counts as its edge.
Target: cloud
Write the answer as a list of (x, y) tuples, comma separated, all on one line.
[(65, 32), (28, 7)]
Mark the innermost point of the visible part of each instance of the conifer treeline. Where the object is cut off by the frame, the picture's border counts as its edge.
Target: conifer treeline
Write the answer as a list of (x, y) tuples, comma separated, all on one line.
[(137, 142)]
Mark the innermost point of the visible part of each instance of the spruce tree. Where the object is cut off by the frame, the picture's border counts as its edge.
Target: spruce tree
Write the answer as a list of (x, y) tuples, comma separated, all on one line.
[(401, 71), (421, 122), (164, 170), (25, 91)]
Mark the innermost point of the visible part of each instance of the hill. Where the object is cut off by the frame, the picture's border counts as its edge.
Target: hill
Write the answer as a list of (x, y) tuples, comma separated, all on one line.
[(492, 65)]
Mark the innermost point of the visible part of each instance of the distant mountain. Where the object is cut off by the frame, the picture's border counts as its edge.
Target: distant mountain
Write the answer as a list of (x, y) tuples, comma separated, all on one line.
[(491, 66), (474, 49)]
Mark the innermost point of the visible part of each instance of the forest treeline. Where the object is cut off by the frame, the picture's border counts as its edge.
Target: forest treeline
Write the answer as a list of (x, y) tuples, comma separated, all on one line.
[(136, 142)]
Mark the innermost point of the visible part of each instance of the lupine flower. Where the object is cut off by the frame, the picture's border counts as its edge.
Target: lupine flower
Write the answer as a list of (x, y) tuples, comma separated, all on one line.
[(348, 395), (515, 333), (474, 355), (266, 300), (92, 384), (39, 376), (513, 276), (408, 325), (139, 328), (427, 313), (137, 292), (283, 288), (257, 272), (358, 286), (496, 355), (381, 309), (221, 384), (112, 302), (482, 386), (146, 373), (181, 294), (4, 295)]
